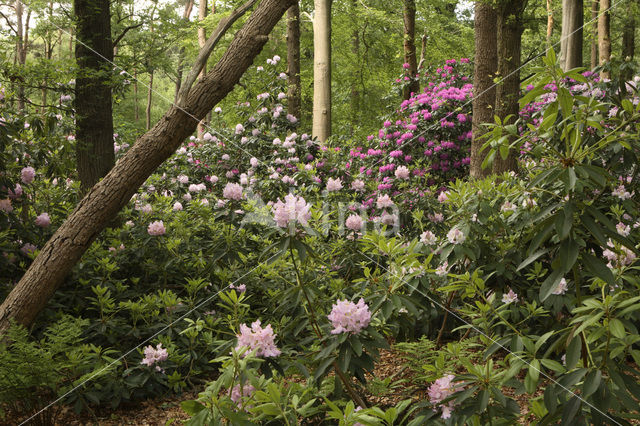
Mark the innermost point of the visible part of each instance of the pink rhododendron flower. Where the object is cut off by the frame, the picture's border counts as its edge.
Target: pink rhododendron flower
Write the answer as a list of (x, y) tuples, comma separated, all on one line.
[(28, 249), (402, 172), (239, 129), (354, 222), (623, 229), (183, 178), (5, 205), (384, 201), (154, 355), (43, 220), (156, 228), (259, 339), (456, 236), (510, 297), (440, 390), (428, 238), (561, 288), (334, 184), (443, 197), (177, 206), (349, 317), (16, 193), (232, 191), (357, 185), (293, 209), (28, 174), (239, 391)]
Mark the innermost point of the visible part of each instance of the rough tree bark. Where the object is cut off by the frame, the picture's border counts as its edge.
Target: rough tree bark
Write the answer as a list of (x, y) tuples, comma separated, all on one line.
[(321, 128), (510, 27), (604, 36), (94, 118), (409, 44), (484, 91), (294, 94), (571, 35), (107, 197), (595, 5)]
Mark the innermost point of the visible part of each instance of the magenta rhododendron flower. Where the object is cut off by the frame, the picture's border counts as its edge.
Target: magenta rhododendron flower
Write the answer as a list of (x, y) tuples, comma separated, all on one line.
[(28, 174), (232, 191), (293, 209), (156, 228), (43, 220), (440, 390), (259, 339), (349, 317)]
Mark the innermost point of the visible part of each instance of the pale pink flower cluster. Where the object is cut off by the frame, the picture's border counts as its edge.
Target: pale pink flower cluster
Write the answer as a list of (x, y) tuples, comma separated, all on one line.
[(402, 172), (177, 206), (622, 193), (443, 197), (561, 288), (357, 185), (232, 191), (239, 391), (183, 179), (293, 209), (384, 201), (349, 317), (623, 229), (624, 257), (43, 220), (197, 187), (456, 236), (510, 297), (259, 339), (354, 222), (156, 228), (154, 355), (443, 269), (334, 184), (428, 238), (440, 390), (28, 174), (5, 205)]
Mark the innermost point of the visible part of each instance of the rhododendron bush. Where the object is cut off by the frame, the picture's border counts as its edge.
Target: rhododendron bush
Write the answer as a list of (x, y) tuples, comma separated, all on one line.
[(281, 267)]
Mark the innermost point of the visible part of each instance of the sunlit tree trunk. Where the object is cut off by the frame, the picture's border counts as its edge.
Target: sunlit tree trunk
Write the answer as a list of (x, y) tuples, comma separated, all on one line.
[(595, 5), (409, 14), (294, 95), (22, 43), (571, 36), (510, 27), (322, 70), (103, 202), (94, 119), (549, 21), (484, 90), (604, 35), (185, 17)]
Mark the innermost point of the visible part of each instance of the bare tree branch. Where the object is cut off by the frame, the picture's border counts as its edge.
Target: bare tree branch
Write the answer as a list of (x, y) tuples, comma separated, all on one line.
[(124, 32), (208, 47)]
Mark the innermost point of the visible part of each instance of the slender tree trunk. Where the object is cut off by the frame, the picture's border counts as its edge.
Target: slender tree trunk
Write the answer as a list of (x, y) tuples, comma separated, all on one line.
[(628, 43), (357, 75), (423, 52), (322, 70), (604, 36), (571, 37), (94, 119), (21, 52), (549, 21), (595, 5), (188, 7), (294, 95), (202, 39), (510, 27), (484, 90), (409, 15), (136, 108), (149, 101), (105, 199)]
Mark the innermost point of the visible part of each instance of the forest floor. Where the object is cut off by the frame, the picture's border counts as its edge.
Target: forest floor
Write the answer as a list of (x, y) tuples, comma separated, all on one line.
[(391, 382)]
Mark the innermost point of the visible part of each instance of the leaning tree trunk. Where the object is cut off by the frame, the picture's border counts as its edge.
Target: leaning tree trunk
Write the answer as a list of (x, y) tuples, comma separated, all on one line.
[(484, 90), (107, 197), (409, 15), (94, 119), (604, 36), (294, 94), (510, 27), (571, 36), (595, 4), (322, 70)]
